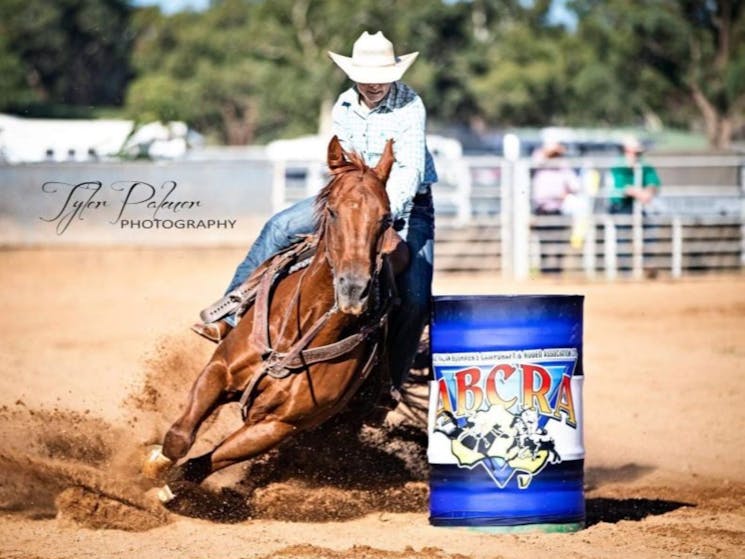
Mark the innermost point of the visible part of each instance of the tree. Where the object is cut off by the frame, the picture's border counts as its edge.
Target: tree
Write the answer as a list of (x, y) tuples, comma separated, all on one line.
[(253, 71), (72, 52), (696, 46), (14, 88)]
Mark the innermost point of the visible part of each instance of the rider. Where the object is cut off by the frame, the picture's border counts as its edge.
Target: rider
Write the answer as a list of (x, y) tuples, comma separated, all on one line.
[(377, 108)]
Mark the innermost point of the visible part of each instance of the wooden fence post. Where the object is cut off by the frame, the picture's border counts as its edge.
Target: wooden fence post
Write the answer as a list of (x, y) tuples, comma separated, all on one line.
[(505, 217)]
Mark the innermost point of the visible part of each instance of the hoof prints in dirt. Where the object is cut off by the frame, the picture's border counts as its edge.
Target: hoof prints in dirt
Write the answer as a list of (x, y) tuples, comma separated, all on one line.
[(98, 511), (65, 464), (223, 505), (297, 502), (336, 472), (84, 470)]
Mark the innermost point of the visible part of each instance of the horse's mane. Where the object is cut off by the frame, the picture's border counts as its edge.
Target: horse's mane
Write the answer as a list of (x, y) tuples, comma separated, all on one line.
[(353, 162)]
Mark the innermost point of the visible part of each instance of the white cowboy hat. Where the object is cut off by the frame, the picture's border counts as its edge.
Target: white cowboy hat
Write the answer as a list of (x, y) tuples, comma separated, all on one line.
[(632, 144), (373, 60)]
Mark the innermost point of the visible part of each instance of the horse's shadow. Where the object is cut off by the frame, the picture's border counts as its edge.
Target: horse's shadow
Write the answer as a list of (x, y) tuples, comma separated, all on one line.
[(347, 457), (338, 471)]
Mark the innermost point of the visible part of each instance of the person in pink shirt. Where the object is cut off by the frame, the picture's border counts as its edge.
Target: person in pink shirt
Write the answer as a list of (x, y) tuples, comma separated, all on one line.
[(555, 185)]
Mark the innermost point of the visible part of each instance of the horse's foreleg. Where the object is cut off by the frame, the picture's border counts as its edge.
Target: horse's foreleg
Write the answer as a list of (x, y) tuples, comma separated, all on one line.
[(247, 442), (203, 398)]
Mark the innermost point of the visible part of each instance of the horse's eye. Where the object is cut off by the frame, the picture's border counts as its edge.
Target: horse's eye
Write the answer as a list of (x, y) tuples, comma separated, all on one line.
[(386, 221), (332, 213)]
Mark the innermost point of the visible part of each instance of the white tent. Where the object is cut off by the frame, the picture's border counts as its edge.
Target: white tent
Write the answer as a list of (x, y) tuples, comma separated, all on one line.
[(27, 140), (31, 140)]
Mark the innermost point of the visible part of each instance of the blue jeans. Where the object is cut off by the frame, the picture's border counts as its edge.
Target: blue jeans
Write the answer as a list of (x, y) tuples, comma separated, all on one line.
[(414, 284)]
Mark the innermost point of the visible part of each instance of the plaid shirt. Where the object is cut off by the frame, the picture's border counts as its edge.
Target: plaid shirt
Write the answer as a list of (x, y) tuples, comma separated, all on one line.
[(401, 116)]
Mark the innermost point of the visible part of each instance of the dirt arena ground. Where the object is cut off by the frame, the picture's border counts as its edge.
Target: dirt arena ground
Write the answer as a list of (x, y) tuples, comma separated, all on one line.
[(96, 359)]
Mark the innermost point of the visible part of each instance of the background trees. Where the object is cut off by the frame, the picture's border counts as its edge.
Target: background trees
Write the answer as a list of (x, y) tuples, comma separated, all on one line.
[(678, 55), (64, 53), (248, 71)]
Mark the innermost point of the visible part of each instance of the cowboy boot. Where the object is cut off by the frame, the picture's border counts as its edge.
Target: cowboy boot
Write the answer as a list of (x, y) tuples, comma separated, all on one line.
[(214, 331)]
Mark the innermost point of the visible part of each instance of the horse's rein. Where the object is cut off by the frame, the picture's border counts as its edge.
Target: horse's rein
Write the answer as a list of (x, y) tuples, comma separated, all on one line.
[(279, 365)]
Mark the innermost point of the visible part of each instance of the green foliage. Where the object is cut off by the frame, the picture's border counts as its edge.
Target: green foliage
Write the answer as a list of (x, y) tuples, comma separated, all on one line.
[(14, 91), (254, 70), (675, 56), (69, 51)]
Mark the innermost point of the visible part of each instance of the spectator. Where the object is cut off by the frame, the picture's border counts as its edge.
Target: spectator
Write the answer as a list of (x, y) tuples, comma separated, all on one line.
[(632, 180), (555, 184)]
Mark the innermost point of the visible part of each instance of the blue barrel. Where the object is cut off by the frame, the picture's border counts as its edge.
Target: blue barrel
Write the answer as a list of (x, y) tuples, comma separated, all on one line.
[(506, 448)]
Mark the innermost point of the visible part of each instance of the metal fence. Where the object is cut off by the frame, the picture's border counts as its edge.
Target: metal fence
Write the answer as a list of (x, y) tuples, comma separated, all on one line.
[(485, 223), (214, 201)]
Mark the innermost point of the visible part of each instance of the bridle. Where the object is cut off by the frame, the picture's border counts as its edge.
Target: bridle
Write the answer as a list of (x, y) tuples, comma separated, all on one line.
[(300, 356)]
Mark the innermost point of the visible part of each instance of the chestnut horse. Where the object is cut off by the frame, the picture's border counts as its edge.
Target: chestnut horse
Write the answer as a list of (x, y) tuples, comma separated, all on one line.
[(332, 299)]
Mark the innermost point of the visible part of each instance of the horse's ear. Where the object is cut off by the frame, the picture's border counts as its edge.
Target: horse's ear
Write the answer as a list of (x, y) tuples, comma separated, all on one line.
[(383, 168), (335, 155)]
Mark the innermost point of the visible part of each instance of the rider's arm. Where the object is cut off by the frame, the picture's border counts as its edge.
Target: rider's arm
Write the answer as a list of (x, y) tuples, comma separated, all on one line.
[(340, 120), (409, 148)]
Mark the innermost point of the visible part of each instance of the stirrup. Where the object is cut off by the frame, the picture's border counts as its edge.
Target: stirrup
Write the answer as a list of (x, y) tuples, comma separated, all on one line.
[(213, 332)]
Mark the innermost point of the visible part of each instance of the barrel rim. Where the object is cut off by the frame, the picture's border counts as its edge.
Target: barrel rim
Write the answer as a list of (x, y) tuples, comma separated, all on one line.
[(494, 297)]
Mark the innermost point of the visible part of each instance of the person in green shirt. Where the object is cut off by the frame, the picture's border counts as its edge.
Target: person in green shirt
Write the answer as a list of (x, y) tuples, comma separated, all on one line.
[(632, 180)]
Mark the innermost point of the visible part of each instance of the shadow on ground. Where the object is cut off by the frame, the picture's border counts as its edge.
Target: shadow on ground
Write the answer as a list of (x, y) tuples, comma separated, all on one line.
[(336, 472), (601, 509)]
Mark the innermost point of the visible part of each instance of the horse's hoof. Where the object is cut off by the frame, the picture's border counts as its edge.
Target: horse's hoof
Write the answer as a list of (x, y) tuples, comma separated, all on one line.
[(165, 495), (157, 464)]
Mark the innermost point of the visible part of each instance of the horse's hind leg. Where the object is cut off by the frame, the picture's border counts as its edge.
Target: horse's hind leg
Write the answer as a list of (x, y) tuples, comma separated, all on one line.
[(247, 442), (204, 396)]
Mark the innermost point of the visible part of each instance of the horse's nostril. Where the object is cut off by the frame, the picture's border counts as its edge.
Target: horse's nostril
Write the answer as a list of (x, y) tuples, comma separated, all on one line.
[(365, 290), (352, 288)]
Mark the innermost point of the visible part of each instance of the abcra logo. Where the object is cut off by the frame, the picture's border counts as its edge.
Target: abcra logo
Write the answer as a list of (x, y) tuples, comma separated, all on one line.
[(497, 416)]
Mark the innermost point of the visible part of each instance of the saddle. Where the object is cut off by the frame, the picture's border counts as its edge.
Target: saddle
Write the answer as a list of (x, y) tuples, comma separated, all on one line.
[(287, 261), (239, 300)]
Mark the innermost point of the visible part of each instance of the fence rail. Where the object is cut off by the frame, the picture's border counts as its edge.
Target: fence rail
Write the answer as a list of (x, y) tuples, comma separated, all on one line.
[(696, 225), (482, 203)]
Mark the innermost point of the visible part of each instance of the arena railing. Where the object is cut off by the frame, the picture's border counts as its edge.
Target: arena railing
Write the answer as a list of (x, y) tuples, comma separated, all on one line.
[(485, 222)]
